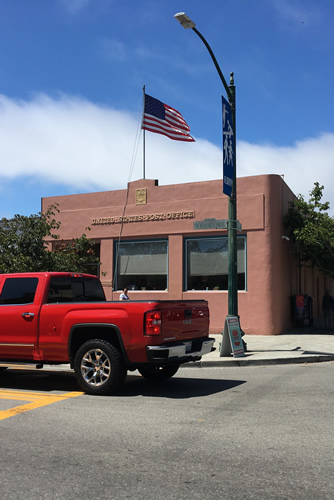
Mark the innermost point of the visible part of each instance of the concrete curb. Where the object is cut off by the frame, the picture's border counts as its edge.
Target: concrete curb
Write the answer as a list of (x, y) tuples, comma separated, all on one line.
[(298, 348), (229, 362)]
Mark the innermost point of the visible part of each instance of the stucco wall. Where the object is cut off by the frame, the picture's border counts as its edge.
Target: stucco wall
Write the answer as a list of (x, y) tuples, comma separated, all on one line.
[(264, 307)]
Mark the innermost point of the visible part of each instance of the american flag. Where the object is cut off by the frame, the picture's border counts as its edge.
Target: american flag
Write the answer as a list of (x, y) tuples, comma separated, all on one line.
[(162, 119)]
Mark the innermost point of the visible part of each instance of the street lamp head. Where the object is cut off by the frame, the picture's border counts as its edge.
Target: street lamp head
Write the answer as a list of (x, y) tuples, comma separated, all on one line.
[(184, 20)]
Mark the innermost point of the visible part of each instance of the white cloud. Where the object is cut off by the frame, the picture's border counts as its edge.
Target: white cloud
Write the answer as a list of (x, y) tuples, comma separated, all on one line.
[(303, 164), (74, 142)]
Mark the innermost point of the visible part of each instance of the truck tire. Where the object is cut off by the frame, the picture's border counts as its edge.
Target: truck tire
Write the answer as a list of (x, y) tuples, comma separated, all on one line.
[(158, 373), (99, 367)]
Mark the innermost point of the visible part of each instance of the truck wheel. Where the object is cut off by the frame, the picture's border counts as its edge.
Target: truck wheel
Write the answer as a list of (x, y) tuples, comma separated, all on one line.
[(158, 373), (99, 367)]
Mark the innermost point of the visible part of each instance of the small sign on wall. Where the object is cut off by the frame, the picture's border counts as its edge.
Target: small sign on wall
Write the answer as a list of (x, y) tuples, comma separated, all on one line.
[(141, 196), (232, 341)]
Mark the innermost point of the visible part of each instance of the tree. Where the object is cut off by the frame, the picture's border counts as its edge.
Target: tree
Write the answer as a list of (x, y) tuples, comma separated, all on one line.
[(23, 247), (312, 228)]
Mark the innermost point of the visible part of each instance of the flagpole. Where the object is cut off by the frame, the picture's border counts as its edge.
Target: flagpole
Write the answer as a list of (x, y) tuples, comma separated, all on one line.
[(144, 137)]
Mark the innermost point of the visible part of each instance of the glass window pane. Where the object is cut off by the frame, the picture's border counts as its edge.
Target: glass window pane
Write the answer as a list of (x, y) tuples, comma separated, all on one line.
[(75, 289), (142, 265), (207, 263), (207, 257), (19, 291)]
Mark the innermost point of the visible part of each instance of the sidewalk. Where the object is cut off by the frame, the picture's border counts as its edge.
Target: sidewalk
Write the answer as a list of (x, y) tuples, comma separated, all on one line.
[(305, 345)]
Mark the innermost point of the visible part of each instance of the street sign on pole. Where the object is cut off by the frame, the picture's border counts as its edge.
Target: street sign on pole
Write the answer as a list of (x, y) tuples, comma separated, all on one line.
[(210, 224), (216, 224), (228, 148)]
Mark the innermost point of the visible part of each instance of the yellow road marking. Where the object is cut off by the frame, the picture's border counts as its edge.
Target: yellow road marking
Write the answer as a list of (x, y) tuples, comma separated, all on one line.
[(31, 367), (37, 400)]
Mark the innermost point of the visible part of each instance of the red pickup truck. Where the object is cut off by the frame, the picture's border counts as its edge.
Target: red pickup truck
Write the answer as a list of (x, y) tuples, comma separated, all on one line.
[(58, 318)]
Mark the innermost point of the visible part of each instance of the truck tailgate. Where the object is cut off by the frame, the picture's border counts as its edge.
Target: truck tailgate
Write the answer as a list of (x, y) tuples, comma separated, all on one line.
[(184, 319)]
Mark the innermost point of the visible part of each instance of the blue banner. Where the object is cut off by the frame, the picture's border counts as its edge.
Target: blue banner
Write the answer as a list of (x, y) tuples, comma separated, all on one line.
[(228, 148)]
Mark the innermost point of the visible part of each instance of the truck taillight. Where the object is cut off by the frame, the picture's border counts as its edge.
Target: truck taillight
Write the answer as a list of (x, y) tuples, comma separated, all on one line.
[(153, 323)]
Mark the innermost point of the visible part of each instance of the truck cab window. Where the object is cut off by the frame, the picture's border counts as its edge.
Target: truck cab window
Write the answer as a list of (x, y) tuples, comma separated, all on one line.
[(19, 291), (75, 289)]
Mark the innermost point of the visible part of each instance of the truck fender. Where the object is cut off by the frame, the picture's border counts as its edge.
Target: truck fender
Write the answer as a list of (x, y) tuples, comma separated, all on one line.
[(81, 332)]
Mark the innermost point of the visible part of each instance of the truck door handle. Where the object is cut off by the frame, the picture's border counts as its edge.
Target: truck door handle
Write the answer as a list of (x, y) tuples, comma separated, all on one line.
[(28, 315)]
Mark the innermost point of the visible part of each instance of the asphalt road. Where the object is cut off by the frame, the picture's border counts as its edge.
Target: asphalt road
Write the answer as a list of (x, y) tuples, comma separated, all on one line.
[(209, 433)]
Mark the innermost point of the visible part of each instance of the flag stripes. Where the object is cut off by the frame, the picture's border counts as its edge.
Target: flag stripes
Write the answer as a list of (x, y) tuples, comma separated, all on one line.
[(163, 119)]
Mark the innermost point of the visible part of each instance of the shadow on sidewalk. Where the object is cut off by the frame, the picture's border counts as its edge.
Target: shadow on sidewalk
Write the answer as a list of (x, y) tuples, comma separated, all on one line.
[(309, 330)]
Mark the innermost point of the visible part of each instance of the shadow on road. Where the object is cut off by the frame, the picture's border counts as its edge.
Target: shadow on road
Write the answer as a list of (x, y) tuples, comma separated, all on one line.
[(135, 385), (177, 387), (38, 380)]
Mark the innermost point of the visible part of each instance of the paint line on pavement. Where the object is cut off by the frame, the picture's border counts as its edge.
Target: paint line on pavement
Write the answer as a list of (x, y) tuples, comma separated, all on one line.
[(37, 400)]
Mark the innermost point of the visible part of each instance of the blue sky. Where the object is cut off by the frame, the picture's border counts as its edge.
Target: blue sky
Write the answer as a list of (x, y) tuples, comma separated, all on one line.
[(71, 80)]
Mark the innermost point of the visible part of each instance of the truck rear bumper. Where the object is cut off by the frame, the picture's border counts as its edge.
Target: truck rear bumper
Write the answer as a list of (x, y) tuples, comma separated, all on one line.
[(182, 352)]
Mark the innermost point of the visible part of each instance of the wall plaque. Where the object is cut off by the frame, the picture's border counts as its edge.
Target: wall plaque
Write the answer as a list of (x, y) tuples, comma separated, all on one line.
[(141, 196)]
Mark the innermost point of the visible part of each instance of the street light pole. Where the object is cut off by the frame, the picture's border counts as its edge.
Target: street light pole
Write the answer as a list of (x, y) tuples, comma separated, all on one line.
[(232, 217), (187, 23)]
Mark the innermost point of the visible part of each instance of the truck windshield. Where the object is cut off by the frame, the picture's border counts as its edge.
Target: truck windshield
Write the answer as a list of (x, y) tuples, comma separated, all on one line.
[(75, 289)]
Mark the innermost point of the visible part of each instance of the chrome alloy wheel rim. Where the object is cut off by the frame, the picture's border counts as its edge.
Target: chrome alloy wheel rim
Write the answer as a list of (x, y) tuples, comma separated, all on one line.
[(95, 367)]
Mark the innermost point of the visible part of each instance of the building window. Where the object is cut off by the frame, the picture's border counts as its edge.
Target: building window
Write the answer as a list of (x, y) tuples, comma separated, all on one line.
[(207, 263), (142, 265)]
